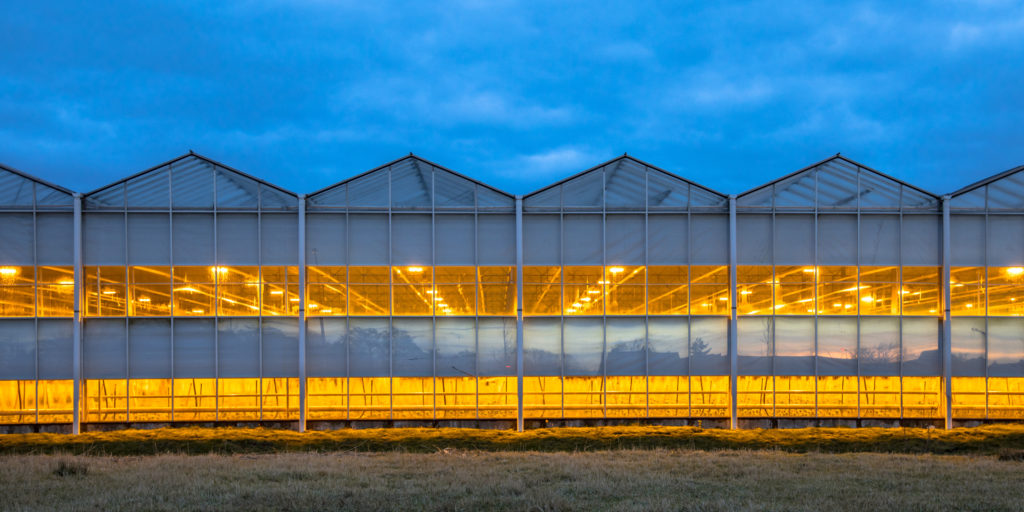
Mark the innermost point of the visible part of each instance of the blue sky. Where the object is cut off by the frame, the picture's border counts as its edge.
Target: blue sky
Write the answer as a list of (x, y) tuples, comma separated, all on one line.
[(305, 94)]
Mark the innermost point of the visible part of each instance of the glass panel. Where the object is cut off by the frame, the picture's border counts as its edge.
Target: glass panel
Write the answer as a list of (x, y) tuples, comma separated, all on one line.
[(1006, 347), (837, 347), (542, 346), (368, 299), (795, 396), (457, 299), (667, 346), (17, 401), (879, 346), (667, 300), (794, 299), (496, 347), (105, 400), (369, 347), (837, 397), (105, 293), (326, 347), (326, 299), (754, 345), (626, 346), (150, 399), (456, 347), (968, 346), (327, 398), (709, 352), (709, 299), (794, 347), (195, 399), (880, 397), (280, 399), (412, 397), (412, 342), (416, 300), (238, 399)]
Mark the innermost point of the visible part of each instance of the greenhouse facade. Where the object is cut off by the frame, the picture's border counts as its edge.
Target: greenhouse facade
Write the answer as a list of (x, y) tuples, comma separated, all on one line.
[(412, 295)]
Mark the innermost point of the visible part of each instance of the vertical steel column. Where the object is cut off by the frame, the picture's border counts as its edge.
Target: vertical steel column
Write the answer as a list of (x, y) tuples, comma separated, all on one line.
[(733, 346), (519, 313), (302, 312), (947, 325), (76, 357)]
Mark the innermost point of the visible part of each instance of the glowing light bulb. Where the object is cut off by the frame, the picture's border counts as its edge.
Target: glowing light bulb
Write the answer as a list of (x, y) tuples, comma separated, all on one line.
[(277, 292), (295, 299), (415, 270), (619, 270), (746, 292), (109, 292), (200, 311), (326, 311), (723, 298), (8, 271), (144, 299), (1015, 271), (587, 299), (219, 270), (867, 298), (66, 283), (593, 292)]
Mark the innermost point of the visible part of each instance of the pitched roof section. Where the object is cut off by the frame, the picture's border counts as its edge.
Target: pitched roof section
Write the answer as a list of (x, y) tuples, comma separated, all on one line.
[(1004, 191), (22, 190), (838, 183), (624, 183), (191, 181), (410, 183)]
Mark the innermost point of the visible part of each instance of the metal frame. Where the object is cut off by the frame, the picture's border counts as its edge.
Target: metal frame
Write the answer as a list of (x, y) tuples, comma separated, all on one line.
[(945, 338)]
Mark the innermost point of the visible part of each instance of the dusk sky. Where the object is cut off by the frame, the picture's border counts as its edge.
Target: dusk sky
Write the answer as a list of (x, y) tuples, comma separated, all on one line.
[(518, 95)]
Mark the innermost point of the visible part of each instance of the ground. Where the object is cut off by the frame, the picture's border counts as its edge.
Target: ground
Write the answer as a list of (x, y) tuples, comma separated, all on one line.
[(227, 469)]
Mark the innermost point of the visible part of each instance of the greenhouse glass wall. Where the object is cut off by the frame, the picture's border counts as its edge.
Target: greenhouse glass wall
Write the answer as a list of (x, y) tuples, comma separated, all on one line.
[(412, 295)]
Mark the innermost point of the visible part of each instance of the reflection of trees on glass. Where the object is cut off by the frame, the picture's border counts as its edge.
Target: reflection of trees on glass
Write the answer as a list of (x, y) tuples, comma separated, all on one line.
[(883, 353)]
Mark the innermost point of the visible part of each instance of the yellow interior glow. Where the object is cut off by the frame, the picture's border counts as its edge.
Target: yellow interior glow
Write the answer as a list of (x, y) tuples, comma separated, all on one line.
[(415, 270), (1015, 271), (616, 270), (8, 271)]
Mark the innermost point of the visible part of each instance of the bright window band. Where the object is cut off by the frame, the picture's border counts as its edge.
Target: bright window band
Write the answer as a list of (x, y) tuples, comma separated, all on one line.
[(45, 291), (411, 291), (838, 290), (191, 291), (992, 291)]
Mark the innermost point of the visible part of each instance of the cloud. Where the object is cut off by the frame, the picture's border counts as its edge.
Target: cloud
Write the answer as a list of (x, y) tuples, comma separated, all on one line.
[(552, 162)]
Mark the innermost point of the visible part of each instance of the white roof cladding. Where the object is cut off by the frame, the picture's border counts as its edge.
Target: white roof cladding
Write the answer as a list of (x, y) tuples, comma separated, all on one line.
[(1004, 191), (20, 190), (838, 183), (410, 183), (623, 183), (191, 181)]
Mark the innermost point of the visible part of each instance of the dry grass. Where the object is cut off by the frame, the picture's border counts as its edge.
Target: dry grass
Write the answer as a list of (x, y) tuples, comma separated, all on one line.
[(472, 480), (990, 440)]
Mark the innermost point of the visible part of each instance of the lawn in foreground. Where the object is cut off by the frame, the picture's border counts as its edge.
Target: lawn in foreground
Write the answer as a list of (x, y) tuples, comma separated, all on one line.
[(473, 480), (985, 440)]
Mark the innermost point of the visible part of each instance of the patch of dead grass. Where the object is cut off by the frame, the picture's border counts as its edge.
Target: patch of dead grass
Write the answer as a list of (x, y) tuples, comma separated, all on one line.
[(659, 479)]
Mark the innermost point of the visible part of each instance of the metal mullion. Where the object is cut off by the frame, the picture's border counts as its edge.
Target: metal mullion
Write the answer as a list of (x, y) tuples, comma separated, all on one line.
[(817, 307), (947, 324), (519, 313), (77, 330), (35, 294), (733, 335), (776, 287), (216, 308), (985, 281), (433, 286), (348, 311), (856, 285), (170, 258), (303, 387), (689, 312), (604, 277), (646, 293), (259, 298), (127, 313), (391, 311), (899, 284)]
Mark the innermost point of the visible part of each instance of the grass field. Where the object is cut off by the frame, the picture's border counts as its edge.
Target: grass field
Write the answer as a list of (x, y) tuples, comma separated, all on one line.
[(657, 479), (990, 440)]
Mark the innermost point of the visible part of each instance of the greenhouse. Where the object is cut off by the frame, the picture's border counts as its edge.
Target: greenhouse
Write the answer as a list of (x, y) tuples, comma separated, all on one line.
[(412, 295)]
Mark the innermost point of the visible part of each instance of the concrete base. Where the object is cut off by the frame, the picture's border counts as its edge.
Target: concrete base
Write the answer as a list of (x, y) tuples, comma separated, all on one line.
[(530, 424)]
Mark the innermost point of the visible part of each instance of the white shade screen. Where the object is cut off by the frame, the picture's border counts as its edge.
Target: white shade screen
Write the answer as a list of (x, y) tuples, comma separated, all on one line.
[(411, 240), (667, 239), (149, 239), (455, 237), (794, 239), (326, 238), (279, 239), (837, 239), (368, 239), (542, 240), (496, 240), (238, 239), (103, 238), (710, 237), (149, 348), (238, 348), (195, 348), (879, 240), (583, 240), (624, 239), (104, 349), (1005, 240), (921, 240), (55, 240), (967, 240), (754, 239), (193, 238)]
